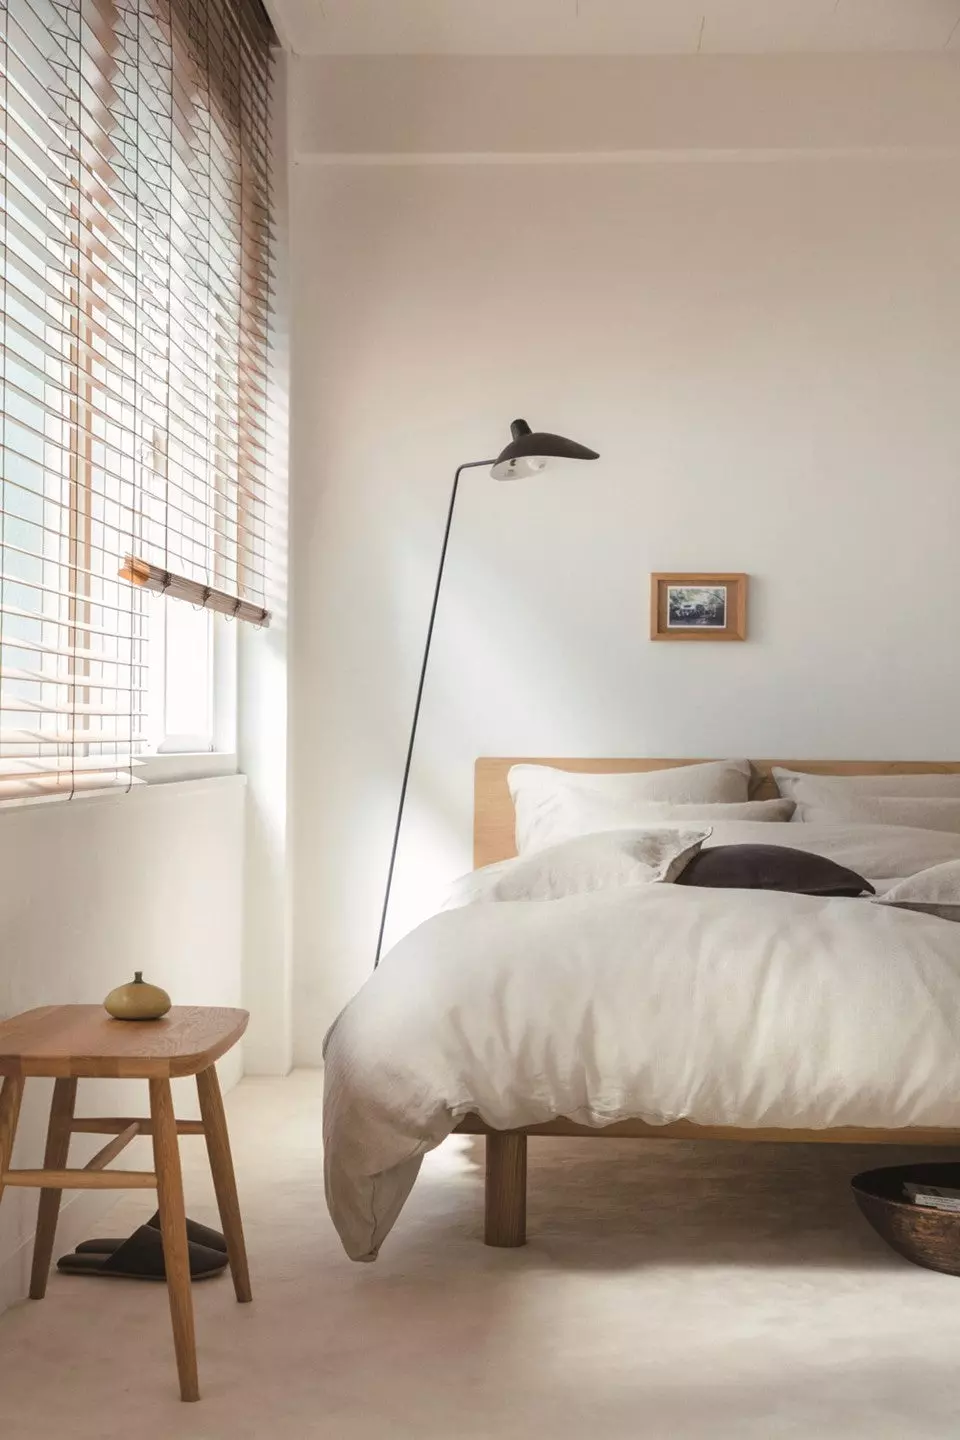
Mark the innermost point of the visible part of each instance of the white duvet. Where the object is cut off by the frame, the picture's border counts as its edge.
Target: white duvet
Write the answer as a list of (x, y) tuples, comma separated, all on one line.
[(656, 1002)]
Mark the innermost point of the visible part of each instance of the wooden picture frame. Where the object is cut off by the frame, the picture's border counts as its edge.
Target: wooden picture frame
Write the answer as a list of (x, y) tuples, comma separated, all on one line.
[(679, 612)]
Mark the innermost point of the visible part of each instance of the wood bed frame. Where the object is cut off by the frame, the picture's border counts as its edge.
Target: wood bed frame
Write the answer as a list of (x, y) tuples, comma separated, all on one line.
[(506, 1150)]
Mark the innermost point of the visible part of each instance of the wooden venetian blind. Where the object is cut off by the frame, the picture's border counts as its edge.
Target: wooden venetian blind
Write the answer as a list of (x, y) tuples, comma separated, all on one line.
[(134, 148)]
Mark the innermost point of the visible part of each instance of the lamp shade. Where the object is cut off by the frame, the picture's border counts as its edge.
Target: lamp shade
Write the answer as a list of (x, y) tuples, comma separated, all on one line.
[(531, 451)]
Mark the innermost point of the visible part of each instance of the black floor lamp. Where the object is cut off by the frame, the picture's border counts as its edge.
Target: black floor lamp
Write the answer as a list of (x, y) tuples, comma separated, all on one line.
[(528, 453)]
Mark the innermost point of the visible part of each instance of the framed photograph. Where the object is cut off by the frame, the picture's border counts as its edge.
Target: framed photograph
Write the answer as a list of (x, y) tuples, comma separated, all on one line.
[(698, 607)]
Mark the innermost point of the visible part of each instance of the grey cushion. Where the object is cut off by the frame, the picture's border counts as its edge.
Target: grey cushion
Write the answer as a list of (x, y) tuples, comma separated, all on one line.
[(771, 867)]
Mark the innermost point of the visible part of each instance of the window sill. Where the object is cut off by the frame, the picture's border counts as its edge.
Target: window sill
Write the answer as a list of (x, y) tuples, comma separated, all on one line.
[(198, 765), (215, 772), (155, 770)]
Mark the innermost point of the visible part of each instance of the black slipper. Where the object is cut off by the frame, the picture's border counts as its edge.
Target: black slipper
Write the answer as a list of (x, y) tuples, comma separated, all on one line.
[(141, 1258), (196, 1233)]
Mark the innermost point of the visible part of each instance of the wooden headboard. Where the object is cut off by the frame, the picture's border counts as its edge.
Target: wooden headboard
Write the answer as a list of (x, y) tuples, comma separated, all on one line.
[(493, 819)]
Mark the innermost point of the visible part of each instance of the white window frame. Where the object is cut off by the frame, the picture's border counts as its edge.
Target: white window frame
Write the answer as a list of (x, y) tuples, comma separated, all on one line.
[(180, 756)]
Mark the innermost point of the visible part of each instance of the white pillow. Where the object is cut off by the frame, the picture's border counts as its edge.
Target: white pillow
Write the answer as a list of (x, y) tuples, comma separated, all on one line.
[(591, 862), (589, 816), (790, 783), (935, 891), (554, 805), (922, 813), (769, 811)]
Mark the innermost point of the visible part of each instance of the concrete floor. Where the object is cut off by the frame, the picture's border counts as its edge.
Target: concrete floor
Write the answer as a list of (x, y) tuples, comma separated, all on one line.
[(668, 1292)]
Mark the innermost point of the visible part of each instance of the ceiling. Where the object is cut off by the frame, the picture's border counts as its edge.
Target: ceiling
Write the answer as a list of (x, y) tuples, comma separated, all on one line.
[(611, 27)]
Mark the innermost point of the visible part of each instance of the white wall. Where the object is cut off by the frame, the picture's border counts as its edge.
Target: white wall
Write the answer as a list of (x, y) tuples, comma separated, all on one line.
[(262, 685), (424, 105), (90, 891), (761, 339)]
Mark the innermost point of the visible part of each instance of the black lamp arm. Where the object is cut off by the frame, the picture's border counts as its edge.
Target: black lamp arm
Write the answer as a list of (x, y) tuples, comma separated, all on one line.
[(470, 465)]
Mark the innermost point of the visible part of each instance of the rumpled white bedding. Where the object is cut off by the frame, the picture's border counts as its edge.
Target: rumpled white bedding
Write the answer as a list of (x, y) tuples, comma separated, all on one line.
[(656, 1002)]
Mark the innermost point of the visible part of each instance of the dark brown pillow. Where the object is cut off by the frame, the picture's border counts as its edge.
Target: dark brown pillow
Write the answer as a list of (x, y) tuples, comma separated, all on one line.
[(771, 867)]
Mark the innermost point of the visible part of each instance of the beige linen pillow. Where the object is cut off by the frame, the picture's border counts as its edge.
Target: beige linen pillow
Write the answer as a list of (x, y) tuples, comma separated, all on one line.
[(591, 862), (652, 812), (555, 805), (935, 891), (789, 782), (815, 804)]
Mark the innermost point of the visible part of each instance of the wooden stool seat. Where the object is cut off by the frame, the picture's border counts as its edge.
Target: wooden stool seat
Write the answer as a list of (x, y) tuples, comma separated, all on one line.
[(71, 1042), (84, 1040)]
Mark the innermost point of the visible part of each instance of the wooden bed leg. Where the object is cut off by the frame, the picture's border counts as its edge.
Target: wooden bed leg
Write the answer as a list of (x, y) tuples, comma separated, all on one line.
[(506, 1190)]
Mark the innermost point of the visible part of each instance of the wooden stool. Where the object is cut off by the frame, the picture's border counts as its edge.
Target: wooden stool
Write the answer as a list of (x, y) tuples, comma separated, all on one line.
[(71, 1042)]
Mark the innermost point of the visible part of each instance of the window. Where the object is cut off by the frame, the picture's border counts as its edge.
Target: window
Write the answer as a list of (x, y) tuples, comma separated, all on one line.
[(134, 291), (191, 701), (180, 710)]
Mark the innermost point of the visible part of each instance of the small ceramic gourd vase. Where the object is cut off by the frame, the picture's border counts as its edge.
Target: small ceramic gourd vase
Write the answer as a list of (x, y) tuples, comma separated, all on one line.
[(137, 1001)]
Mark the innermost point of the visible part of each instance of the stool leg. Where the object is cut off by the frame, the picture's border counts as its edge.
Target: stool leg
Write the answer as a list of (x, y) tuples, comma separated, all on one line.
[(224, 1180), (54, 1158), (173, 1228), (10, 1097)]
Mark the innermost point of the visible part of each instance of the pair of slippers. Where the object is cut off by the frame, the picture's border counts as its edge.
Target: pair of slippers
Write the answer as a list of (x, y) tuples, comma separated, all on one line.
[(141, 1256)]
